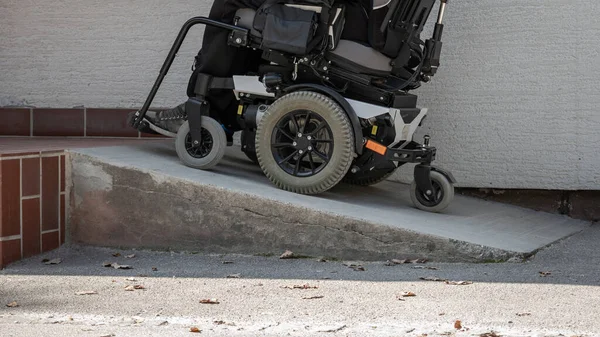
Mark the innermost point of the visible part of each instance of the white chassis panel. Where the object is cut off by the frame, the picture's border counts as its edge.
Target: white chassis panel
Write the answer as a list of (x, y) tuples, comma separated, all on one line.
[(404, 132)]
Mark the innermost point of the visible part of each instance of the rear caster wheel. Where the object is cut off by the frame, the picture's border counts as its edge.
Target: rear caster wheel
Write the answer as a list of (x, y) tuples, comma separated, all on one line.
[(439, 199), (211, 149), (305, 143)]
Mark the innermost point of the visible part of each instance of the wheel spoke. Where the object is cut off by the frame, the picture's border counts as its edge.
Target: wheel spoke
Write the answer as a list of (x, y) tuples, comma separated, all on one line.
[(297, 167), (321, 155), (286, 159), (306, 121), (312, 163), (319, 128), (295, 123), (281, 145), (285, 133)]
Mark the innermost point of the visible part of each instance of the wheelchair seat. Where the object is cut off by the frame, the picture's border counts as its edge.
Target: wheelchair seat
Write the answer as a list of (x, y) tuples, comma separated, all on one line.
[(350, 55), (361, 59)]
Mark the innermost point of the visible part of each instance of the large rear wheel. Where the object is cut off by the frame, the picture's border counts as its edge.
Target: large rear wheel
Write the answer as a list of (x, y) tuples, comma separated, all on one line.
[(305, 143)]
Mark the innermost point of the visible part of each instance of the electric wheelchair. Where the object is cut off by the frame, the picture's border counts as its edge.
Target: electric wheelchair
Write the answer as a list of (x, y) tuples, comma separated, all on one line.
[(319, 109)]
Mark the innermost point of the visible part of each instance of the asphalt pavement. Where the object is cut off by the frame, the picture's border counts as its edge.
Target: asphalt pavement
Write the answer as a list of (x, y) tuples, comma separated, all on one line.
[(555, 293)]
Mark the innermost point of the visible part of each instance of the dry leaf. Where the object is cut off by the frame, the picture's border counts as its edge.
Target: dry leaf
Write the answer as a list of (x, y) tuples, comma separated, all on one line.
[(334, 329), (107, 264), (441, 314), (13, 304), (117, 254), (458, 325), (459, 283), (88, 292), (227, 262), (210, 301), (408, 294), (312, 297), (489, 334), (130, 256), (195, 329), (545, 273), (288, 254), (234, 276), (434, 279), (521, 314), (304, 286), (121, 266), (54, 261), (321, 260), (355, 267), (154, 269), (219, 322), (133, 287)]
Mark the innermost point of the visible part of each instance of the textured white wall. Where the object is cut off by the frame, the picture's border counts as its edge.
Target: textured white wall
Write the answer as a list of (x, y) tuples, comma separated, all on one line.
[(515, 104)]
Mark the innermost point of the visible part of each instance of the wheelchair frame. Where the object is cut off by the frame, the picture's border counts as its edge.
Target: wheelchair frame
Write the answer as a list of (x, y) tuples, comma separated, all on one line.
[(396, 111)]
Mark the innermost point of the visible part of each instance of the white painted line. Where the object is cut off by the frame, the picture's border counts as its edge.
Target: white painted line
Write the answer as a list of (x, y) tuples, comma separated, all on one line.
[(11, 238), (29, 197), (52, 231)]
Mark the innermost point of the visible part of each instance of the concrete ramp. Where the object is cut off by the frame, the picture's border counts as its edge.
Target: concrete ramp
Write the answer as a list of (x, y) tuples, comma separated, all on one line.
[(142, 196)]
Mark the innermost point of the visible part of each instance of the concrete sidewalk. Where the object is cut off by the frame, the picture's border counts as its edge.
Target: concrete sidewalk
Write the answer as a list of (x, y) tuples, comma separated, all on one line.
[(235, 209), (511, 299)]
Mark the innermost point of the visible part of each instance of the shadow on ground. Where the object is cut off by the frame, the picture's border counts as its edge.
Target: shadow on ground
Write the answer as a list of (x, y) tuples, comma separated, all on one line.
[(574, 261)]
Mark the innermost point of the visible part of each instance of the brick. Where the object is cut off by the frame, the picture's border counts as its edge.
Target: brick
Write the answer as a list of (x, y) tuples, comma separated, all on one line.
[(10, 197), (10, 251), (50, 186), (585, 205), (63, 220), (50, 241), (31, 176), (109, 123), (31, 227), (15, 122), (62, 173), (58, 122)]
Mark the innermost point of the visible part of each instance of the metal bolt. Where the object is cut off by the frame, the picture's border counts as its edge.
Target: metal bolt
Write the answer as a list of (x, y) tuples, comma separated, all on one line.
[(382, 98), (301, 152), (325, 68), (310, 148), (428, 192), (299, 135), (354, 170), (238, 40), (196, 142), (309, 138), (294, 143)]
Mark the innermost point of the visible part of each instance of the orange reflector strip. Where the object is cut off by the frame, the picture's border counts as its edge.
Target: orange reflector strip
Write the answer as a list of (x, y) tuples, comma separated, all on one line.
[(376, 147)]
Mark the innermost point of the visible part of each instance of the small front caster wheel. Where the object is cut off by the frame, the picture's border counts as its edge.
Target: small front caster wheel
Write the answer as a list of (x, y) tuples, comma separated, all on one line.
[(211, 149), (438, 199)]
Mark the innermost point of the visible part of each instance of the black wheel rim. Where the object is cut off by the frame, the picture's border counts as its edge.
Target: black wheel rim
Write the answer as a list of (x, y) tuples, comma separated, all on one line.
[(302, 143), (205, 147), (432, 200)]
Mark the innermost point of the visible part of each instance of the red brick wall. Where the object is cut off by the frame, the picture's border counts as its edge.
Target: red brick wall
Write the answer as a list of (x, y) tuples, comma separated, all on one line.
[(83, 122), (33, 198)]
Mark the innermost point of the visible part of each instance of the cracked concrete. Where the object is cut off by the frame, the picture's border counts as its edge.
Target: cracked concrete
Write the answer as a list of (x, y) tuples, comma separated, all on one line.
[(223, 211)]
